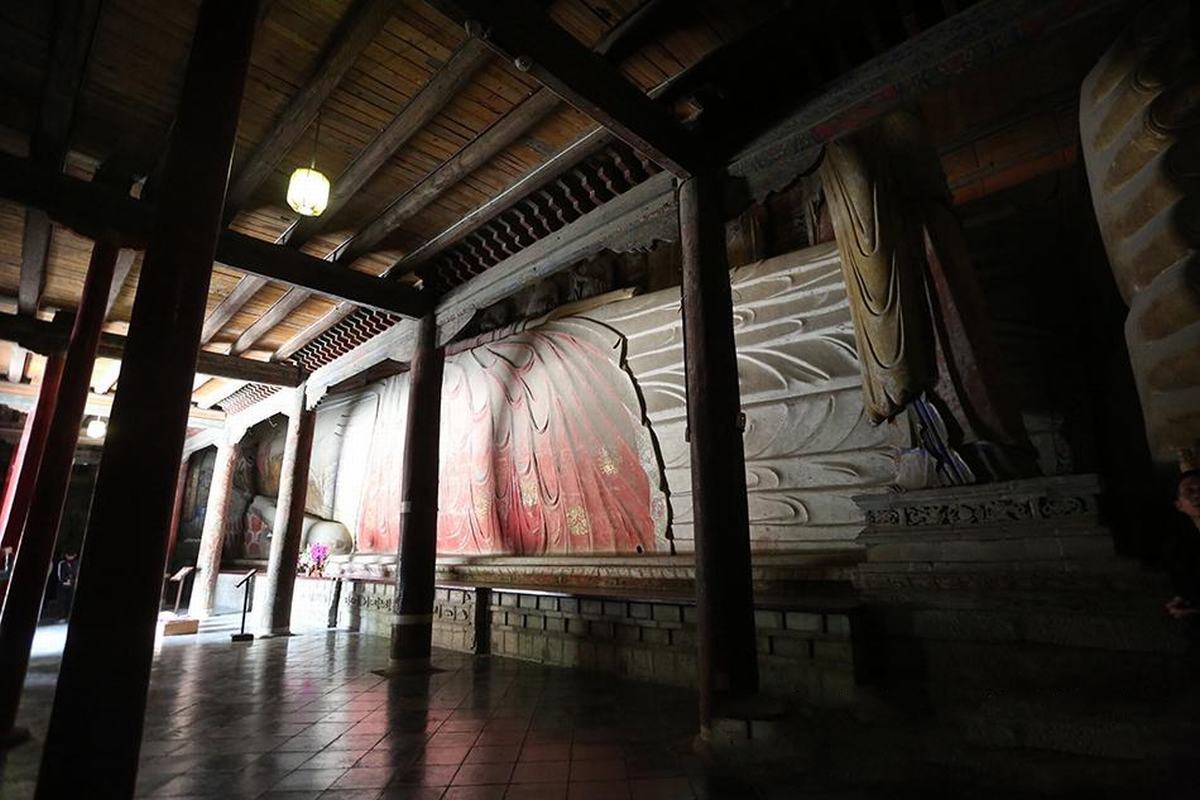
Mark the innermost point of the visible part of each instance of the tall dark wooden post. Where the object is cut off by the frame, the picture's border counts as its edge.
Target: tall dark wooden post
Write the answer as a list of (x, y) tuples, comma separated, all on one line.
[(728, 661), (276, 614), (35, 554), (96, 722), (177, 509), (27, 460), (212, 537), (412, 626)]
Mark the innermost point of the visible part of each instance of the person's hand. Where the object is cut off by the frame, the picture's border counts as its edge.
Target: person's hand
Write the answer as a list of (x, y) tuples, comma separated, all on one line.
[(1174, 603)]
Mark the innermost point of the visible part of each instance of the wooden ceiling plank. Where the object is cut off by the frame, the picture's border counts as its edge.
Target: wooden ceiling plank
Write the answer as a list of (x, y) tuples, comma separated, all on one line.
[(333, 317), (495, 139), (213, 397), (360, 26), (232, 303), (567, 157), (518, 30), (486, 147), (274, 316), (73, 25), (415, 115), (433, 97)]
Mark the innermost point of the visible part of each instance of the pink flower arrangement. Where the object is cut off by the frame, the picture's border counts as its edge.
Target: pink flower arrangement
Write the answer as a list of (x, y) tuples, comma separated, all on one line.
[(312, 560)]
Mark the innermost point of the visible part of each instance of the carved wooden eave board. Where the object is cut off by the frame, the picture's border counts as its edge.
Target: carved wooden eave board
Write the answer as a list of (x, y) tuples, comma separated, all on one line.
[(641, 216)]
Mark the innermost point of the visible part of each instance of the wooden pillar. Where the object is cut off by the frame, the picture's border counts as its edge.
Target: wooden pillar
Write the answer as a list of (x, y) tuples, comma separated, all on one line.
[(177, 508), (276, 614), (212, 537), (27, 459), (35, 554), (100, 702), (412, 626), (728, 661)]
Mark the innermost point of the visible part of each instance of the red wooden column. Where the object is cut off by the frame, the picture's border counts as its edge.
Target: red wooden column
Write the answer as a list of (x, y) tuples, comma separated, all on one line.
[(177, 508), (212, 537), (35, 554), (27, 460), (276, 615), (96, 722), (728, 660), (412, 625)]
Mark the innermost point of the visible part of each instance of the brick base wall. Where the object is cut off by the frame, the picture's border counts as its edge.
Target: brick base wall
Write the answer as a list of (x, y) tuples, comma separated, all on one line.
[(810, 654)]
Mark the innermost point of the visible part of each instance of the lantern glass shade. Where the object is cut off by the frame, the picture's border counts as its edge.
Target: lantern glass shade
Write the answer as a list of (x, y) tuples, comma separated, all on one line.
[(308, 192), (96, 428)]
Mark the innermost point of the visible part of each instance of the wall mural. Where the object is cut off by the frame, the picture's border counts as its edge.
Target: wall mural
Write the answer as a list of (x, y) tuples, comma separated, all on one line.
[(543, 450), (567, 435)]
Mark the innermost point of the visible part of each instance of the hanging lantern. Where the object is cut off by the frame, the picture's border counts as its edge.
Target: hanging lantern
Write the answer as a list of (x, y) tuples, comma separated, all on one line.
[(308, 189), (96, 428), (308, 192)]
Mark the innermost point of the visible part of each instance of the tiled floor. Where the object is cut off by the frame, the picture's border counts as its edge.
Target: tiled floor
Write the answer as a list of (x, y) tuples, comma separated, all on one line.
[(305, 717)]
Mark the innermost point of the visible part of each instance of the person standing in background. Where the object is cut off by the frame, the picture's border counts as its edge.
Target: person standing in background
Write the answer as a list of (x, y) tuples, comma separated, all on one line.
[(67, 568)]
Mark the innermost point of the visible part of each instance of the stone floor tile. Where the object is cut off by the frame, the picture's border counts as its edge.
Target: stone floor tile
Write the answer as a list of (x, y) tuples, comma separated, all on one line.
[(536, 791), (330, 759), (542, 772), (493, 754), (365, 778), (598, 790), (492, 792), (478, 774), (309, 779), (610, 770)]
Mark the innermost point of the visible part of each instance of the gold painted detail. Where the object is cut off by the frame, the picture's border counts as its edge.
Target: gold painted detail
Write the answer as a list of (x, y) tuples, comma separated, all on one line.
[(529, 492), (607, 465), (577, 521)]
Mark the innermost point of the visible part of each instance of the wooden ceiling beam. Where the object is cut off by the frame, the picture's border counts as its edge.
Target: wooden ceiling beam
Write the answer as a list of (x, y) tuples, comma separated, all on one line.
[(99, 211), (360, 26), (432, 98), (72, 27), (121, 271), (476, 153), (283, 264), (23, 397), (521, 32), (45, 337), (90, 208)]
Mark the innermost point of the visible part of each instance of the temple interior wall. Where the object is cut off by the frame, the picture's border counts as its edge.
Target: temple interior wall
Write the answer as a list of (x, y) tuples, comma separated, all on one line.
[(809, 446)]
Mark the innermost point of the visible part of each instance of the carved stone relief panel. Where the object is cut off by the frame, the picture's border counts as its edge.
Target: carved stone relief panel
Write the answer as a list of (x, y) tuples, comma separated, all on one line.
[(809, 443)]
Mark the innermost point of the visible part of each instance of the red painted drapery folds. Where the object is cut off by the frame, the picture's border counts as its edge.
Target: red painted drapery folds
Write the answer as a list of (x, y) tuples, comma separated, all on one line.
[(543, 450)]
